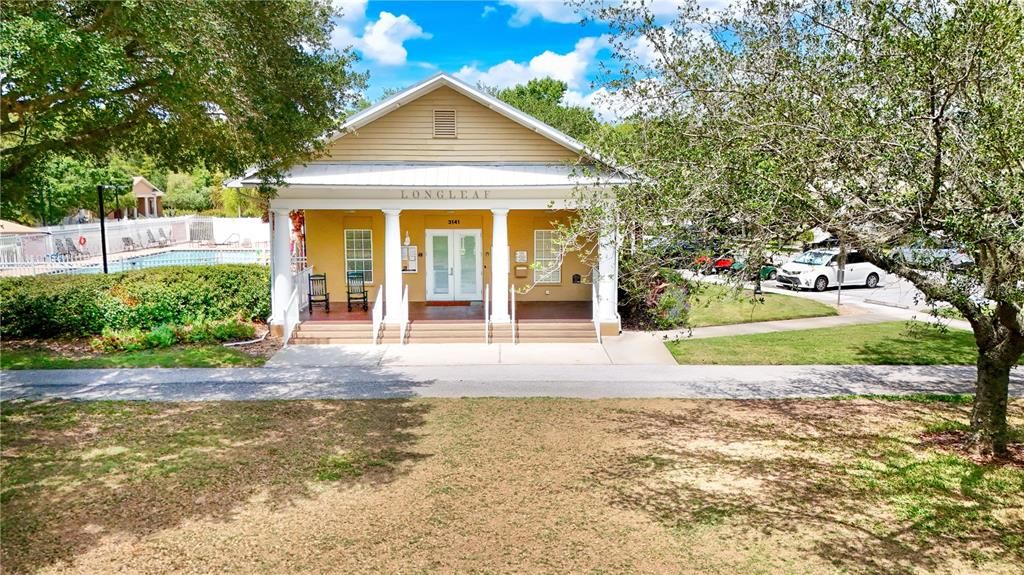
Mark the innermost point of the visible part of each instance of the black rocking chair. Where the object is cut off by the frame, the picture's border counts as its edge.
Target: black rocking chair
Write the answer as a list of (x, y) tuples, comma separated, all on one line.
[(318, 291), (357, 290)]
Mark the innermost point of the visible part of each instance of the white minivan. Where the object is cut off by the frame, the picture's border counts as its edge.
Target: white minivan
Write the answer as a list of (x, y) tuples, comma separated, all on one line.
[(819, 270)]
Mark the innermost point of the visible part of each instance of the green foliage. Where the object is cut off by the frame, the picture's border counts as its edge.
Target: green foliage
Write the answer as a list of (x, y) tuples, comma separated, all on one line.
[(134, 339), (82, 305), (544, 99), (227, 84)]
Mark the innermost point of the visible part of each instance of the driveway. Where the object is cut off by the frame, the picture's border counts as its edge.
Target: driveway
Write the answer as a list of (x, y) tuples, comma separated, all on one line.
[(611, 381)]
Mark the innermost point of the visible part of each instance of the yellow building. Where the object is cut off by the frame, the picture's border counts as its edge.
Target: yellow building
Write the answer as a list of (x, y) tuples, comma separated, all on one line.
[(446, 200)]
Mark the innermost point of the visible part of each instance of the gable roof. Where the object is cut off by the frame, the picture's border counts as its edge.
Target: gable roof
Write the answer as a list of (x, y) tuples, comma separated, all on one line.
[(399, 99), (395, 101)]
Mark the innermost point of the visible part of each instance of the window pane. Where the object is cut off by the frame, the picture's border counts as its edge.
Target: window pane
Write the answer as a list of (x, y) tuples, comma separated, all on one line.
[(359, 252), (546, 258)]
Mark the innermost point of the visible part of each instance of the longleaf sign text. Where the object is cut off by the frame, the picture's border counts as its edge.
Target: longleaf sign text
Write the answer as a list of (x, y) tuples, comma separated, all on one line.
[(445, 194)]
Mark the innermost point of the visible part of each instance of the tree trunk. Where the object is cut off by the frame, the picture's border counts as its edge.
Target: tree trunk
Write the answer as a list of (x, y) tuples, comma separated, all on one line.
[(988, 418)]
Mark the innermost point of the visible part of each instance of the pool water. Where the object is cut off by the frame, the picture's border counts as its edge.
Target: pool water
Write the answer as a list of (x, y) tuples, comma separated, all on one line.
[(181, 258)]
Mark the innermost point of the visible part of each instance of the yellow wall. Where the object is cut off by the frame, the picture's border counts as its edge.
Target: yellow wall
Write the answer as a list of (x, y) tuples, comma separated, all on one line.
[(406, 134), (521, 224), (325, 237), (325, 245)]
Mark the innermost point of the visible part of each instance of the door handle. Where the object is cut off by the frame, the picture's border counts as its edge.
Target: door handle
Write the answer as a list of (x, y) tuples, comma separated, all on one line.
[(451, 271)]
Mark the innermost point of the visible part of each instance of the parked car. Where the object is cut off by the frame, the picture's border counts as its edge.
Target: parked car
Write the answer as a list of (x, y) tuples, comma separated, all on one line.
[(928, 256), (819, 270), (767, 272)]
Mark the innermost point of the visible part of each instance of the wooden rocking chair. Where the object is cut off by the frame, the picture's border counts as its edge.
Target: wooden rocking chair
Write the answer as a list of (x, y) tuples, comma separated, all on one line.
[(357, 291), (318, 291)]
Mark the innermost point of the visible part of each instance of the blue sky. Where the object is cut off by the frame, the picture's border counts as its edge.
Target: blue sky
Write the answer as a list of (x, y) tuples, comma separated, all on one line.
[(499, 42)]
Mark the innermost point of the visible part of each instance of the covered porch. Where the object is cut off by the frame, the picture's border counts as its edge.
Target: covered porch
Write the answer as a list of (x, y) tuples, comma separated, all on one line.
[(527, 311)]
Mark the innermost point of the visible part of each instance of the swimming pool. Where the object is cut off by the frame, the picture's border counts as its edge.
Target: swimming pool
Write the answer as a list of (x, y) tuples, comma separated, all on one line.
[(180, 258)]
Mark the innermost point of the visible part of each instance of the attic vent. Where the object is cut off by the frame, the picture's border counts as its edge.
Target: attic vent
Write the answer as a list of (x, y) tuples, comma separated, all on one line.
[(444, 123)]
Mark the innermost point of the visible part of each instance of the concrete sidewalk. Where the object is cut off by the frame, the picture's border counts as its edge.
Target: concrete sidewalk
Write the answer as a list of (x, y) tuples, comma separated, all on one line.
[(453, 354), (727, 382)]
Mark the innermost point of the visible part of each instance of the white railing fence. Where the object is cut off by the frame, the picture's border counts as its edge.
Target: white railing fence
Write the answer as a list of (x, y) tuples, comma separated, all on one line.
[(80, 264), (298, 301), (487, 313), (301, 280), (67, 242), (595, 305), (404, 321), (512, 307), (377, 315)]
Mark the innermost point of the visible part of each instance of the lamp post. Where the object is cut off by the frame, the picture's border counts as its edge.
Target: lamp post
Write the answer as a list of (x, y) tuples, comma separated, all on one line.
[(103, 227)]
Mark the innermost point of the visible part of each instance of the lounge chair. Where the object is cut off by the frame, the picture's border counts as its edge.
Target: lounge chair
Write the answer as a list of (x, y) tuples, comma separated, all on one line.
[(153, 240), (73, 249), (163, 237), (61, 254), (129, 244)]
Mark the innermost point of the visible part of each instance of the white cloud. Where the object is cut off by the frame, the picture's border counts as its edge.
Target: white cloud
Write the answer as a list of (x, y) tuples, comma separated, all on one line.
[(382, 41), (609, 106), (352, 11), (488, 10), (550, 10), (570, 67)]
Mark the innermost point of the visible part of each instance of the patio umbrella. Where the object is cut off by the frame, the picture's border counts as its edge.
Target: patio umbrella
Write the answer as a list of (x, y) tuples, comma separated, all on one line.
[(8, 227)]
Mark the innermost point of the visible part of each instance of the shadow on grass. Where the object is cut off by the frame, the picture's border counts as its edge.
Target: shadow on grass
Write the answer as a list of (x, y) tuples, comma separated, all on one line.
[(827, 476), (921, 344), (75, 472)]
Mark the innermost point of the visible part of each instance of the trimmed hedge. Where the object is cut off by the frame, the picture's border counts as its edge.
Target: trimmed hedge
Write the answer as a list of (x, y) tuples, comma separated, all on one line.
[(83, 305)]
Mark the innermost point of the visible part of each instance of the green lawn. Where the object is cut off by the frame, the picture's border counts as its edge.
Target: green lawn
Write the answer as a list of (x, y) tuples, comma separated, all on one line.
[(720, 305), (889, 343), (186, 356)]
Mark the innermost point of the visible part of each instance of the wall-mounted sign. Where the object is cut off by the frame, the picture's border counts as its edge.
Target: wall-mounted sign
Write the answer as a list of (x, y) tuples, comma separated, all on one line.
[(521, 256), (409, 260), (445, 194)]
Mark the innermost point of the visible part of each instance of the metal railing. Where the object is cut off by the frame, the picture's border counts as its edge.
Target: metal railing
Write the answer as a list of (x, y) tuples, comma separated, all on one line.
[(71, 247), (512, 302), (404, 321), (487, 313), (595, 305), (378, 315)]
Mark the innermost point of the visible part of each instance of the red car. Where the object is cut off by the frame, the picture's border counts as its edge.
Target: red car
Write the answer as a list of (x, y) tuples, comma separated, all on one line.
[(715, 265)]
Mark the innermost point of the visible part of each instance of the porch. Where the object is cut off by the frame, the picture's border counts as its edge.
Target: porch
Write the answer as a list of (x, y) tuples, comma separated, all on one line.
[(527, 311)]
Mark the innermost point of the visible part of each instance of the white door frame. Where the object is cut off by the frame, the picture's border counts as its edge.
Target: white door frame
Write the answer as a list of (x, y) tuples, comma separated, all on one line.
[(455, 272)]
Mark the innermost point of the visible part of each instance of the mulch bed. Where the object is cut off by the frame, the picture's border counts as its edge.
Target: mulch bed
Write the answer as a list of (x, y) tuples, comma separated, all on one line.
[(958, 442)]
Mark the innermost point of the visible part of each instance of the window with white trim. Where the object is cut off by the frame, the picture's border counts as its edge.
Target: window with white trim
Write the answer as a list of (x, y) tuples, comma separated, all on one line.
[(359, 253), (546, 258)]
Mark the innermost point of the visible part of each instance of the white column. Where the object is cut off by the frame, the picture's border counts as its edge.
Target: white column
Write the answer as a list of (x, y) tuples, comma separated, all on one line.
[(499, 266), (392, 266), (281, 264), (608, 275)]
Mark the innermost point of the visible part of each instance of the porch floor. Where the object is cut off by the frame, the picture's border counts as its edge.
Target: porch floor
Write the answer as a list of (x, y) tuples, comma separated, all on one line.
[(474, 311)]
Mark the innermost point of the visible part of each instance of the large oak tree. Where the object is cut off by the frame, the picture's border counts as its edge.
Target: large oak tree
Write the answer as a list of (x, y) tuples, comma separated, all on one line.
[(225, 84), (886, 122)]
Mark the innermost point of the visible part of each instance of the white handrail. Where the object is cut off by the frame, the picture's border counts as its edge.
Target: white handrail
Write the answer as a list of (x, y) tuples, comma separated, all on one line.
[(291, 315), (595, 305), (487, 313), (512, 291), (297, 301), (378, 314), (404, 322)]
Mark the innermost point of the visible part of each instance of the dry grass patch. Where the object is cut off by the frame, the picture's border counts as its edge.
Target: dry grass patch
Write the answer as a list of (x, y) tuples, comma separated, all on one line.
[(500, 486)]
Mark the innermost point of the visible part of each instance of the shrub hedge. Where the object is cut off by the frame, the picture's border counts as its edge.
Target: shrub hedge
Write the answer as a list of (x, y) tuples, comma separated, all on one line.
[(82, 305)]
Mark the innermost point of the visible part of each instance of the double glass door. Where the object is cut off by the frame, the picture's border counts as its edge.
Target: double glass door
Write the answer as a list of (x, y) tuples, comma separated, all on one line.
[(454, 265)]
